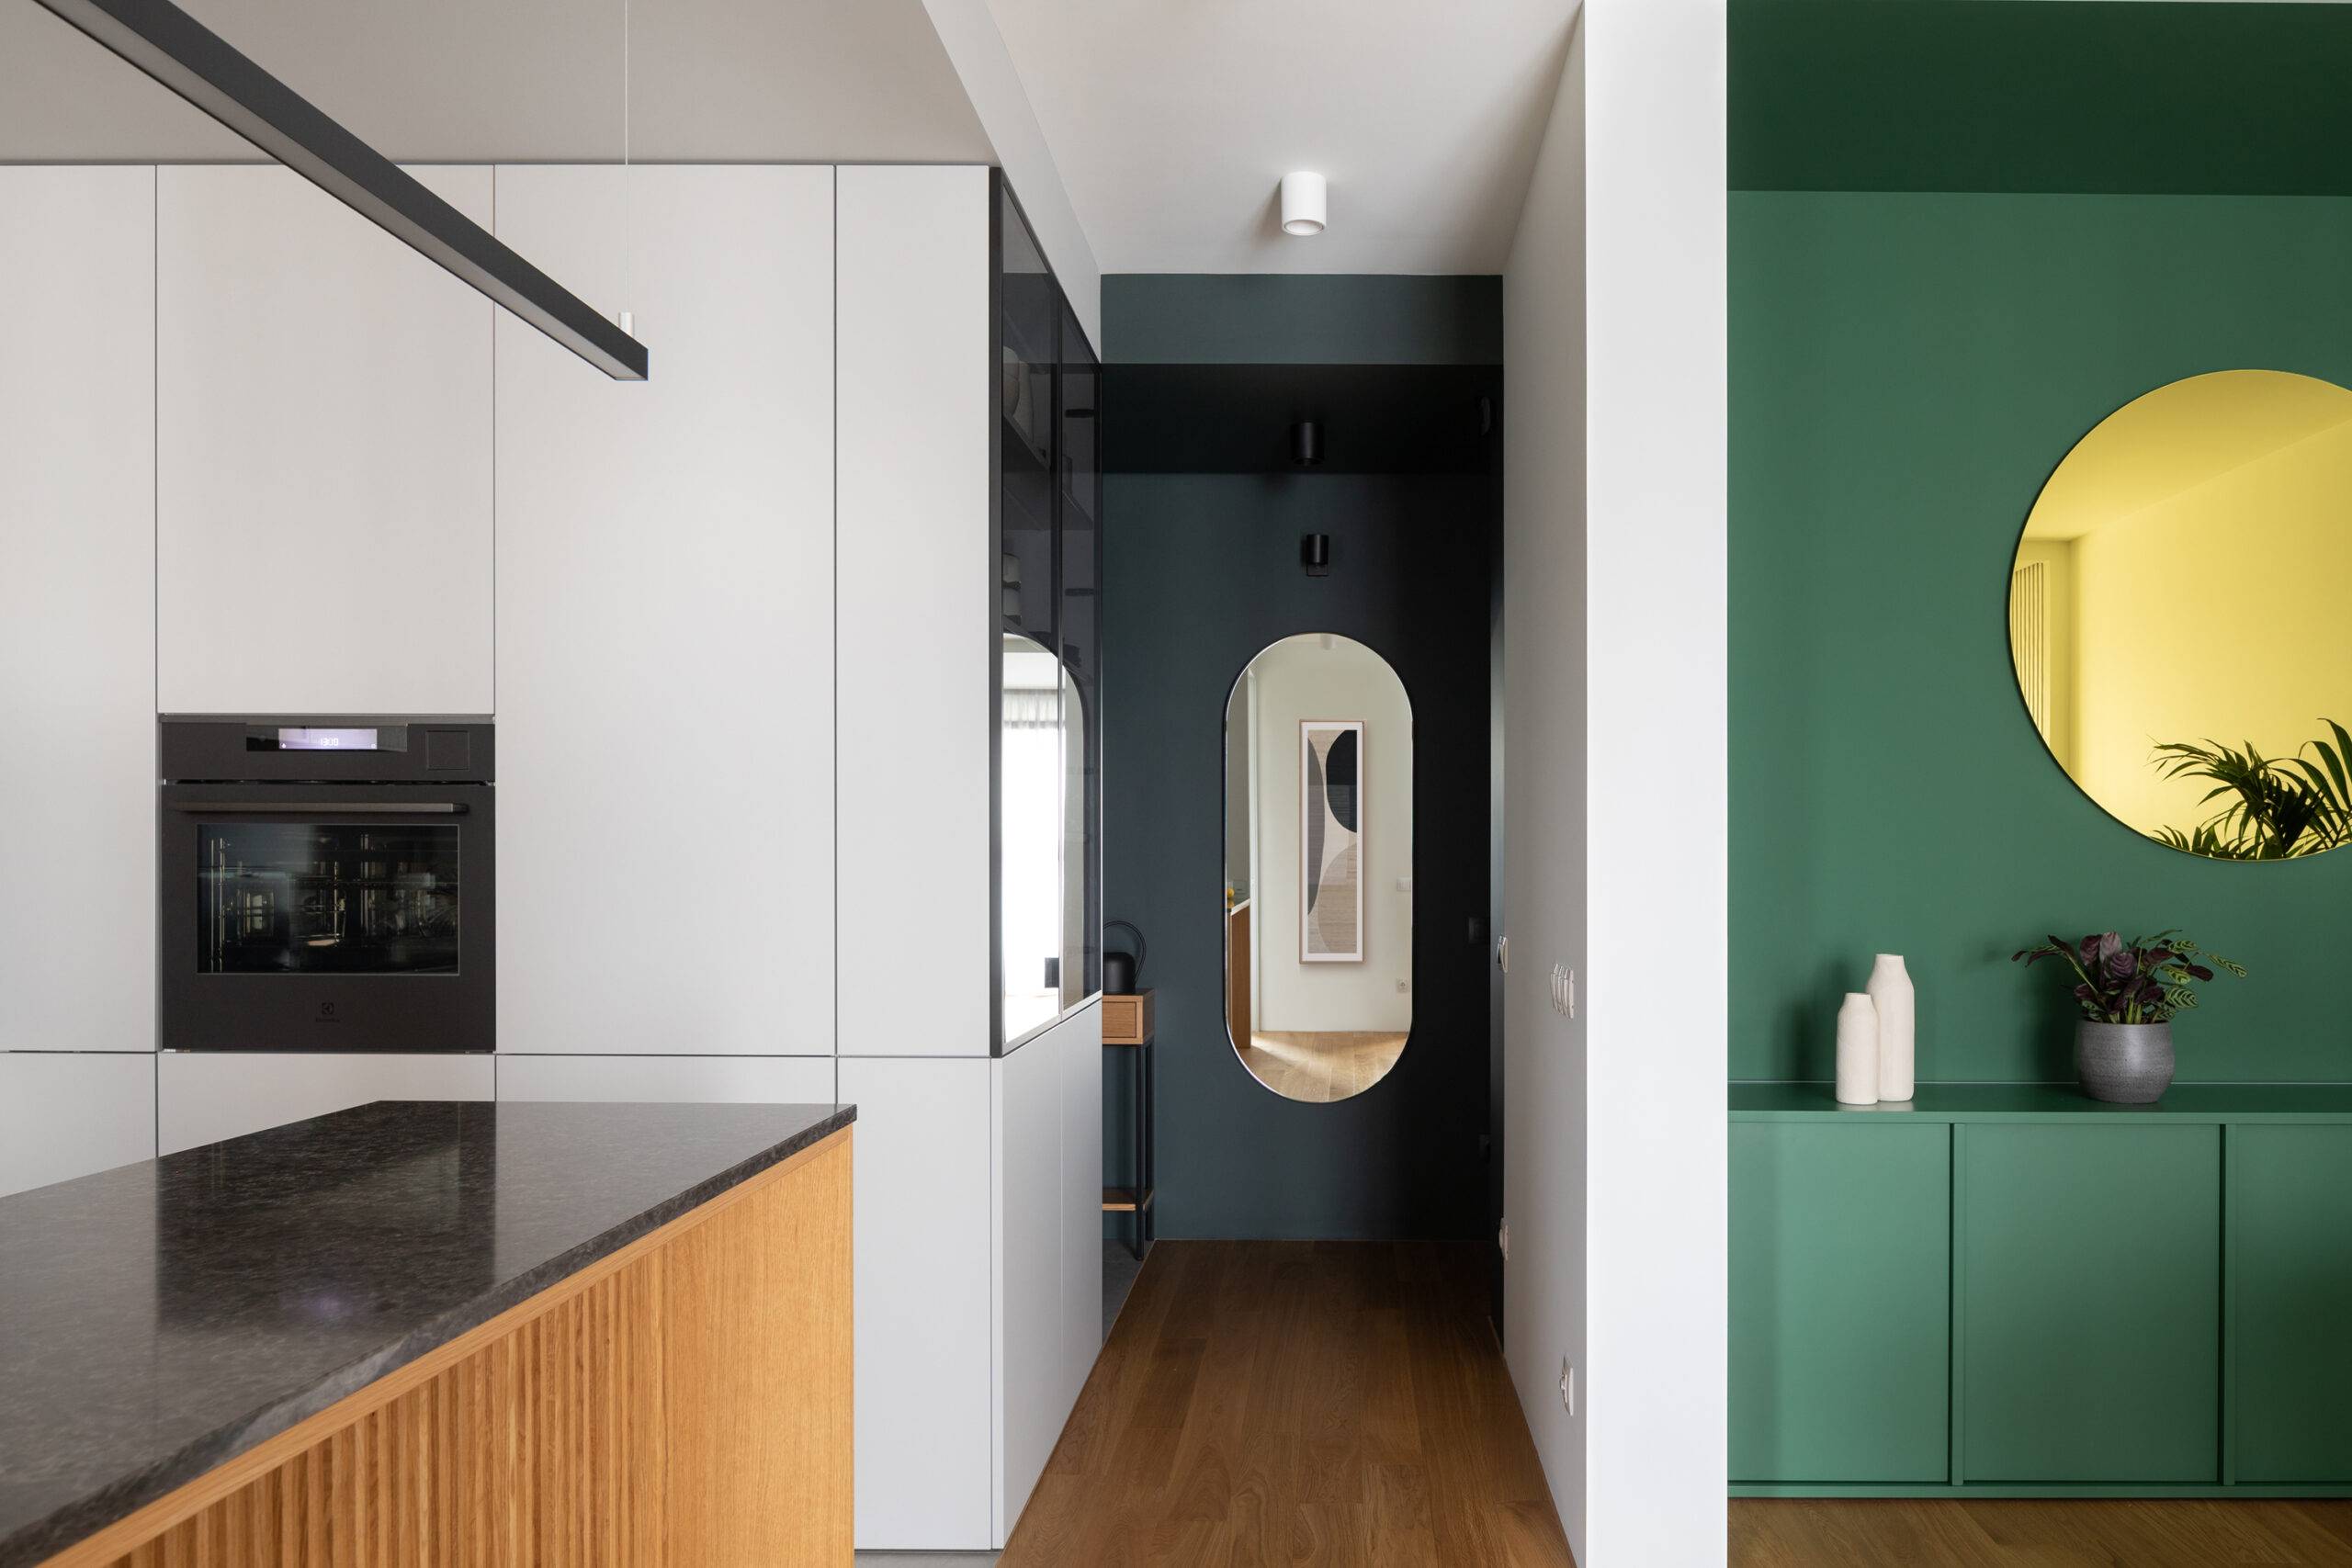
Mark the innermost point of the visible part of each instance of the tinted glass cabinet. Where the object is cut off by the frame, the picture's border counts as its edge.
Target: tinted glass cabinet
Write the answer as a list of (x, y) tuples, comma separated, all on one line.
[(1048, 580)]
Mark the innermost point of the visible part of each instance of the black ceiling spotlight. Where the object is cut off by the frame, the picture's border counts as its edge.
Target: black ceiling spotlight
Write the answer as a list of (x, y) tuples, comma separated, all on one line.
[(1314, 554), (194, 61), (1306, 443)]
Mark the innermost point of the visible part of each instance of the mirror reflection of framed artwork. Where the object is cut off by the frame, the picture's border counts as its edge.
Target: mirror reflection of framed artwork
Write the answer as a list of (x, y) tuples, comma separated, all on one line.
[(1330, 841)]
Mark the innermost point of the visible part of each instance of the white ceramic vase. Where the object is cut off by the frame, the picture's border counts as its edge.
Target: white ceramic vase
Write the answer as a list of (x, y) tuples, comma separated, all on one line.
[(1890, 993), (1857, 1051)]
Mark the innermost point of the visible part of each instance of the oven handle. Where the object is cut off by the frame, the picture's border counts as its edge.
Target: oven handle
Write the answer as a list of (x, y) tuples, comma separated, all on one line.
[(333, 807)]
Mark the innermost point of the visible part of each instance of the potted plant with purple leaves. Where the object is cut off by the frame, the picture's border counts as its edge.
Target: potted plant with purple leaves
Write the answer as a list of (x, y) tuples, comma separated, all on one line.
[(2129, 991)]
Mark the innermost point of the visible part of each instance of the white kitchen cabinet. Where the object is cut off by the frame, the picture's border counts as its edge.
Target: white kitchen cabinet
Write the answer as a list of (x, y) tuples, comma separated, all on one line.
[(67, 1113), (777, 1080), (1050, 1176), (980, 1177), (925, 1352), (1025, 1111), (1049, 1257), (979, 1296), (916, 609), (322, 445), (1080, 1200), (665, 620), (78, 635), (204, 1097)]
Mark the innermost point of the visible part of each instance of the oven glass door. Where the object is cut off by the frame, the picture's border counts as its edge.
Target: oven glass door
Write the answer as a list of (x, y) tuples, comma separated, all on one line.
[(327, 918), (376, 898)]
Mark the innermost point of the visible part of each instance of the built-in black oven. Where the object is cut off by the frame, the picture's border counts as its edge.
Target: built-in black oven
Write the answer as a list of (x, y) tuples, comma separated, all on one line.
[(327, 886)]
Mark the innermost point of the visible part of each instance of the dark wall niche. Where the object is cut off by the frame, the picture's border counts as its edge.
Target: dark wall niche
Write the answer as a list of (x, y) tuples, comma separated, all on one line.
[(1201, 569)]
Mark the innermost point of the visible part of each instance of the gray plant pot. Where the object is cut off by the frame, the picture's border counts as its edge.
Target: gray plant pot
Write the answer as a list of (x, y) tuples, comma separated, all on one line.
[(2124, 1064)]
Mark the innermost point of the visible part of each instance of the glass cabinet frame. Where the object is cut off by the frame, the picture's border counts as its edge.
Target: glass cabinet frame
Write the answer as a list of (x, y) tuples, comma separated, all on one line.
[(1045, 515)]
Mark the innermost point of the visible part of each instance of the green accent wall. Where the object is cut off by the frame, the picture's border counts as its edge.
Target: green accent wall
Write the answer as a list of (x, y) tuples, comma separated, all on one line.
[(1906, 368), (2055, 96)]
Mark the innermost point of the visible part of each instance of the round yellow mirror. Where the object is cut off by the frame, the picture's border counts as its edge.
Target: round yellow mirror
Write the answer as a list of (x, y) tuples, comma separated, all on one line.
[(2179, 617)]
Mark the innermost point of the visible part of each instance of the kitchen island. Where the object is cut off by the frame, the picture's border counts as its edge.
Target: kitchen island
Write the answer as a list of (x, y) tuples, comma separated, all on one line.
[(525, 1335)]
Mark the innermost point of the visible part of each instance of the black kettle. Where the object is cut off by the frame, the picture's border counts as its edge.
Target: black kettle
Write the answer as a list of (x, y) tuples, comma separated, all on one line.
[(1122, 972)]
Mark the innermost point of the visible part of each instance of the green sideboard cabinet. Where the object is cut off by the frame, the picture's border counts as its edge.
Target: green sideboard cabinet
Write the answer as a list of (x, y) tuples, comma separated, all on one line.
[(2290, 1304), (2012, 1291), (1840, 1301), (2091, 1302)]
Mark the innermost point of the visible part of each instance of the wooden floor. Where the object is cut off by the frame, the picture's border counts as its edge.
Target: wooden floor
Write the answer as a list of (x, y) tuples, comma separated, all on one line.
[(1902, 1534), (1320, 1066), (1334, 1402)]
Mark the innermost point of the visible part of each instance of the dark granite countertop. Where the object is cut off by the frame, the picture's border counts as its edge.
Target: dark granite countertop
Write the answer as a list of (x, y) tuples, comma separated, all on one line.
[(159, 1319)]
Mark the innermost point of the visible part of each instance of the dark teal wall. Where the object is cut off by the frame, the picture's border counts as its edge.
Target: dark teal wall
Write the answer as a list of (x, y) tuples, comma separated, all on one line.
[(1906, 370), (1201, 571), (1217, 318)]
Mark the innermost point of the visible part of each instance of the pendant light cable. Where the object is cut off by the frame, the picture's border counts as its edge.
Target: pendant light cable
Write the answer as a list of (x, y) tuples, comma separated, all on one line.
[(628, 319)]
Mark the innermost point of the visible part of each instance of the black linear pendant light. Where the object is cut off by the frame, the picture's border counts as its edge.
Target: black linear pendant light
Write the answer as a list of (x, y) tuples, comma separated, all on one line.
[(194, 61)]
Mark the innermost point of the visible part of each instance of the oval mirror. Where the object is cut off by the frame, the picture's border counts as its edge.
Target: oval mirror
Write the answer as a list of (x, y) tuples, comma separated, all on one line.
[(1318, 867), (2177, 615)]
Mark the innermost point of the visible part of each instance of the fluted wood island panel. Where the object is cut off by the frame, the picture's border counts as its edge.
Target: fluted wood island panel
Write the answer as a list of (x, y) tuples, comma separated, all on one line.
[(684, 1401)]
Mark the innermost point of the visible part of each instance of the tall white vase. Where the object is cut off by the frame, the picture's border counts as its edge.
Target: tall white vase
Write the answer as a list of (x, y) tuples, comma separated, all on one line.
[(1890, 993), (1857, 1051)]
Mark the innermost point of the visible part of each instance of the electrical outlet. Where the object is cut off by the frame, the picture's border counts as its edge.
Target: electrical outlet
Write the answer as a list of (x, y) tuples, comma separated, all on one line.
[(1568, 1386), (1502, 1240), (1563, 990)]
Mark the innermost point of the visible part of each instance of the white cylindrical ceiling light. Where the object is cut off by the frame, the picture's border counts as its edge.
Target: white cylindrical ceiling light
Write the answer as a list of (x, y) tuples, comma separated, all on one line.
[(1302, 203)]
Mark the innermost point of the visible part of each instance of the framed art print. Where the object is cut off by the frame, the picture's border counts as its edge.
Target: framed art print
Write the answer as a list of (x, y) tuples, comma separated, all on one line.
[(1330, 837)]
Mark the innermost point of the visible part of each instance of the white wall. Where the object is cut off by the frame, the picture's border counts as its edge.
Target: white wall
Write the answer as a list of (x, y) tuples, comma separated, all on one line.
[(1615, 501), (977, 50), (1544, 1141), (1655, 638), (1298, 678)]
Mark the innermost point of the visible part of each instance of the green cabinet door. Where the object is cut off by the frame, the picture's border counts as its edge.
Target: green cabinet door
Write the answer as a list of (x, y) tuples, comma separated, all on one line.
[(2091, 1302), (1840, 1300), (2291, 1289)]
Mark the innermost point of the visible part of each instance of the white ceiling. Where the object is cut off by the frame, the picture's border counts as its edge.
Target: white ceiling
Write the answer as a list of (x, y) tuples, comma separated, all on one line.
[(474, 80), (1172, 122)]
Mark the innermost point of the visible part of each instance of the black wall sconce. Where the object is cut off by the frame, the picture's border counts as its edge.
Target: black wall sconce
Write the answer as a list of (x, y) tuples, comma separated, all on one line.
[(1306, 443), (1314, 554)]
